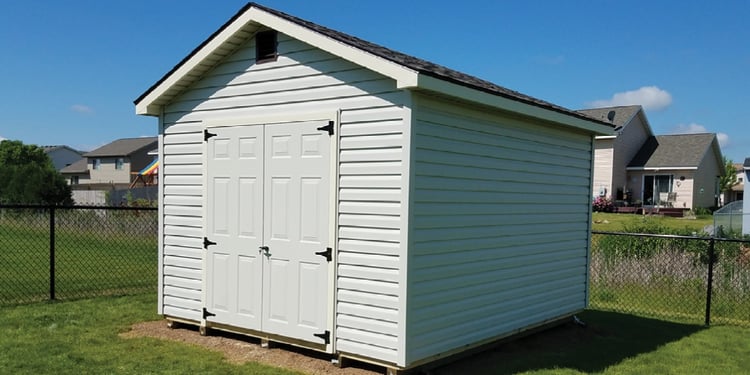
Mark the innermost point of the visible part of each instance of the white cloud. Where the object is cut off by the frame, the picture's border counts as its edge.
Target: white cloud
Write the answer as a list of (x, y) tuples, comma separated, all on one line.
[(2, 138), (650, 97), (80, 108), (694, 128)]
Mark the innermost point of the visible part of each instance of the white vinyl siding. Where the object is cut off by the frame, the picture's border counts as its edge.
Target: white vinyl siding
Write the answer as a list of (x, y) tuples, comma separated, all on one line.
[(499, 233), (626, 146), (603, 165), (370, 228), (303, 80)]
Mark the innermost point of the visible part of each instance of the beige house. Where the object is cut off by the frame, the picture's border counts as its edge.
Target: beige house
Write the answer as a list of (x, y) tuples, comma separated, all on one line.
[(635, 168), (680, 171), (613, 153), (737, 191), (112, 166)]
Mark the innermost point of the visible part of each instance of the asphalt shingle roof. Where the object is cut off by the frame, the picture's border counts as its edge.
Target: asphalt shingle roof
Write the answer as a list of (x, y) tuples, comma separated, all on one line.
[(123, 147), (673, 151), (79, 167), (411, 62), (622, 114)]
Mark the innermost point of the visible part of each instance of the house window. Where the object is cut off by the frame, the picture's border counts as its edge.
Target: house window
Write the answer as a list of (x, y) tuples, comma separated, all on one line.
[(119, 163), (265, 46), (739, 180), (74, 180), (97, 164), (656, 189)]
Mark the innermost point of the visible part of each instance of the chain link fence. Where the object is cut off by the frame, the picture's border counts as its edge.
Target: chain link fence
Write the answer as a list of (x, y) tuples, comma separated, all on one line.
[(685, 278), (51, 253)]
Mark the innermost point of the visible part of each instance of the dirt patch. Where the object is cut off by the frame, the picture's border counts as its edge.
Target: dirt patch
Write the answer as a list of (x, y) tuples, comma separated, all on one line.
[(240, 349)]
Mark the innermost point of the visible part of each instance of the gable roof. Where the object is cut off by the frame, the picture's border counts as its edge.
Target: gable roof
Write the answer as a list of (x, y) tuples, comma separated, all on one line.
[(123, 147), (622, 116), (48, 149), (408, 71), (79, 167), (680, 151)]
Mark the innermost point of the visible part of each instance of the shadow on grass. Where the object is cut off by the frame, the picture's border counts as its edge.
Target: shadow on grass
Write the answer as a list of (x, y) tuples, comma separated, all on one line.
[(607, 340)]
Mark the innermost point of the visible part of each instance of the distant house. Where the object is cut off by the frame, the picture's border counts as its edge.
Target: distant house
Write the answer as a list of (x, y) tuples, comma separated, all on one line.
[(677, 171), (613, 153), (635, 167), (737, 192), (112, 166), (62, 156)]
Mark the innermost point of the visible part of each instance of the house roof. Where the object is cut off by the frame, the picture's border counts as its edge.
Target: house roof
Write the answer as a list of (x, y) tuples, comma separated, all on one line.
[(408, 71), (621, 115), (79, 167), (680, 151), (48, 149), (123, 147)]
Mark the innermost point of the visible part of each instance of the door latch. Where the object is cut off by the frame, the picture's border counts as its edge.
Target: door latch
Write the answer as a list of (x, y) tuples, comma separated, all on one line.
[(264, 250)]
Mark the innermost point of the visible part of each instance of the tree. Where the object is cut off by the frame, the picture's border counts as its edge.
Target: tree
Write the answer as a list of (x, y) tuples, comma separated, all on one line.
[(730, 176), (28, 177)]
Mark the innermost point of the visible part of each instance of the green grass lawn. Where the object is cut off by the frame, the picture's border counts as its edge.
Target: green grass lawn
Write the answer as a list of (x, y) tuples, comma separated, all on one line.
[(81, 337), (614, 343), (609, 222)]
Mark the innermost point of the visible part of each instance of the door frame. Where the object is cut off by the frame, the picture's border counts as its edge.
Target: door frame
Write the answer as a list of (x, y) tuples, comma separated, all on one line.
[(655, 202), (334, 116)]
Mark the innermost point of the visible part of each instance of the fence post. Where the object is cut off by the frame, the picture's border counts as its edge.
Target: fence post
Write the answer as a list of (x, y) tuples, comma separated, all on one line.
[(711, 260), (52, 252)]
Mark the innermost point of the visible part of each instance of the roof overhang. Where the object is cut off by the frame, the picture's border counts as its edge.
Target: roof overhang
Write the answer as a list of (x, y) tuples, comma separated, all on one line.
[(426, 82), (252, 18), (229, 38), (657, 169)]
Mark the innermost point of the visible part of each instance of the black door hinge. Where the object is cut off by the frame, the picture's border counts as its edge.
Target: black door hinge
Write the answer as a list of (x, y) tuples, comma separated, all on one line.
[(328, 128), (325, 336), (207, 243), (207, 314), (327, 253), (207, 135)]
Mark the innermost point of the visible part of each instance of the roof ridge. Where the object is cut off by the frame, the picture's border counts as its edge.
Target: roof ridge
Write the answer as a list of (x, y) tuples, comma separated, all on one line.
[(407, 61)]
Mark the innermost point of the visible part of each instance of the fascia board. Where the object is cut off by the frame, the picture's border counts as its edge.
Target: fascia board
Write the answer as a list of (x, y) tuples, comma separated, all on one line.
[(661, 168), (448, 88), (403, 76)]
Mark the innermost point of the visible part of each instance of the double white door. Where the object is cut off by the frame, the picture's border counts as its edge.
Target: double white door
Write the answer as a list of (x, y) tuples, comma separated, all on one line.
[(267, 208)]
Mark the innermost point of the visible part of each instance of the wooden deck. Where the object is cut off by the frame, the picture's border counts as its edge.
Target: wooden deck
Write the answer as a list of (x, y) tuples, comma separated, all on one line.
[(666, 211)]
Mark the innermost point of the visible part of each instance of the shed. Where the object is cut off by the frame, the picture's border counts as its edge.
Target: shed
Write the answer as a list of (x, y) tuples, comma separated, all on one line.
[(323, 191)]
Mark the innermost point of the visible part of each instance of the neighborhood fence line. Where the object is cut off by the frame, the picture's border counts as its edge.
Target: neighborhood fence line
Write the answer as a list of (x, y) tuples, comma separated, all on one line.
[(70, 252), (59, 253), (687, 278)]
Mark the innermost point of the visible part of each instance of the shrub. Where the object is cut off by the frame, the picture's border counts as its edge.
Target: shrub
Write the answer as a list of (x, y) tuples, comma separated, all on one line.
[(603, 204)]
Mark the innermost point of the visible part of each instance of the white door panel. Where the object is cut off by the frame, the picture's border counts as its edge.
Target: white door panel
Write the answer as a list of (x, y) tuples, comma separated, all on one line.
[(269, 185), (234, 219), (297, 179)]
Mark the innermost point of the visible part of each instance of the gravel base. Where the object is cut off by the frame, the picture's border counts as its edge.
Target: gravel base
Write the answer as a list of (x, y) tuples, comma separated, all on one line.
[(239, 349)]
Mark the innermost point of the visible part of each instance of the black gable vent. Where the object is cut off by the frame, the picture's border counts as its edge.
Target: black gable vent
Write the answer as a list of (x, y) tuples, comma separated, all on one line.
[(266, 46)]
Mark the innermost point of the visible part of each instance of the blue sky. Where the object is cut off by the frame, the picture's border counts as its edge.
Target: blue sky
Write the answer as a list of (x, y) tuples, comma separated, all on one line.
[(70, 70)]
